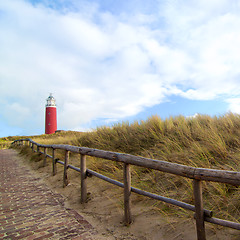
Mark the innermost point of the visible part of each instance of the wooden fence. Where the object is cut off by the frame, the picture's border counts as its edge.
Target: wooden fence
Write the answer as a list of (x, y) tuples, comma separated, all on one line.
[(197, 174)]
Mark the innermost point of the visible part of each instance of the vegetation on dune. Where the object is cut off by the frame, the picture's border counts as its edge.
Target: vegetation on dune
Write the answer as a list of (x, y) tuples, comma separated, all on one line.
[(5, 142), (201, 141), (63, 137)]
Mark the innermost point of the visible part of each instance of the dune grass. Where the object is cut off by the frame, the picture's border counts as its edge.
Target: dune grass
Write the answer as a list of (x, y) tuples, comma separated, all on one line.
[(201, 141), (5, 142), (63, 137)]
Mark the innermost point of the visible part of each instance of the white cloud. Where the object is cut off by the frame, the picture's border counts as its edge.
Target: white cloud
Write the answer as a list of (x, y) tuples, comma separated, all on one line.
[(193, 116), (100, 65), (16, 112), (234, 105)]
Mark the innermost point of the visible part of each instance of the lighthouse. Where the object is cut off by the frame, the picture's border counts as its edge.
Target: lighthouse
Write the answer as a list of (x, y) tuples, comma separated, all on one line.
[(51, 115)]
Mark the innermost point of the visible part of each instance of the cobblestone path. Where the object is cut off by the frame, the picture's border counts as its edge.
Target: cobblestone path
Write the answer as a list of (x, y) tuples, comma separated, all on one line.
[(30, 210)]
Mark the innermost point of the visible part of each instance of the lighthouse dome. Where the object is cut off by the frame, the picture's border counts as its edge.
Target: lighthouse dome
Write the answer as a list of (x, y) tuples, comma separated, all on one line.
[(51, 102)]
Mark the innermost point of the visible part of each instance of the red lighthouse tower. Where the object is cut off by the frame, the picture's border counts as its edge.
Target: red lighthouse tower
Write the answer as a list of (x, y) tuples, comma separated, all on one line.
[(51, 115)]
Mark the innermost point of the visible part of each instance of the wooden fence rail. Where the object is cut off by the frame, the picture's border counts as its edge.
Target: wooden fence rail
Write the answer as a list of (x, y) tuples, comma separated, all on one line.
[(197, 174)]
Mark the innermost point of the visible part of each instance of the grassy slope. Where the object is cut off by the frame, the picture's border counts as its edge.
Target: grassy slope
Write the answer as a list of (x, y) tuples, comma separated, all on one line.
[(5, 142), (200, 142)]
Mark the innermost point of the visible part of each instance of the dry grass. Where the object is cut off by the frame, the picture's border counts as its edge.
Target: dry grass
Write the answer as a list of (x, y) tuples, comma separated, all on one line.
[(64, 137), (202, 141)]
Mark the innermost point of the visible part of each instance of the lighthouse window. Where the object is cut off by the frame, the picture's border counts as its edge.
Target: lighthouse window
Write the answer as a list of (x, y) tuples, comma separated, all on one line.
[(49, 113)]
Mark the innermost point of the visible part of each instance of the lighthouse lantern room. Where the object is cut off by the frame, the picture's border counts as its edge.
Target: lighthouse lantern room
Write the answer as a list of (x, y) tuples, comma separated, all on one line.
[(51, 115)]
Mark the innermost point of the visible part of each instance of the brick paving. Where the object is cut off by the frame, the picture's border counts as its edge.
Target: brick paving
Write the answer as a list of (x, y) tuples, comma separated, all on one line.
[(30, 210)]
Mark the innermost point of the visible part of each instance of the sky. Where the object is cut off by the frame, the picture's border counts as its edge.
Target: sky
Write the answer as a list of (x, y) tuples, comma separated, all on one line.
[(109, 61)]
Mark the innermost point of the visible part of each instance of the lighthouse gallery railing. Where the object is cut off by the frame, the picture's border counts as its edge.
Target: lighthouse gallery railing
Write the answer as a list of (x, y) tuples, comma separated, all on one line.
[(197, 174)]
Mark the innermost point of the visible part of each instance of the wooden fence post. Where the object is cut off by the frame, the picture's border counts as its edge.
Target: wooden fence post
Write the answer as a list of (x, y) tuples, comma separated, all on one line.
[(45, 157), (65, 178), (33, 147), (37, 148), (197, 188), (83, 178), (127, 193), (54, 166)]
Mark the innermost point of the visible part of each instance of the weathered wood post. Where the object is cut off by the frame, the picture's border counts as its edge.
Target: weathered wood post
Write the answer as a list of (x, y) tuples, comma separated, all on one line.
[(37, 148), (197, 189), (33, 147), (65, 178), (127, 193), (83, 168), (45, 157), (54, 166), (29, 143)]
